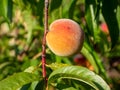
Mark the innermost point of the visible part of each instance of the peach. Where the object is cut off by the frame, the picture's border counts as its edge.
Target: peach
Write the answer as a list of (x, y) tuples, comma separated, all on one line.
[(65, 37)]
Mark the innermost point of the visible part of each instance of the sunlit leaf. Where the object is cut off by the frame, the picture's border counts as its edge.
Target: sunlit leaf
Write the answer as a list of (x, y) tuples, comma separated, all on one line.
[(79, 74), (66, 6), (6, 9), (18, 80), (70, 88), (90, 18), (4, 64), (55, 66), (118, 16), (3, 7)]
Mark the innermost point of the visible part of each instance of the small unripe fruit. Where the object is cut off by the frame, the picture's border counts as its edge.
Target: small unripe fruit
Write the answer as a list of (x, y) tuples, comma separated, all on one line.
[(65, 37)]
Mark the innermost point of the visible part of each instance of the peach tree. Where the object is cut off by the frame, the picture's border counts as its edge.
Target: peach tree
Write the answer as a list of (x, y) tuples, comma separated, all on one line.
[(58, 44)]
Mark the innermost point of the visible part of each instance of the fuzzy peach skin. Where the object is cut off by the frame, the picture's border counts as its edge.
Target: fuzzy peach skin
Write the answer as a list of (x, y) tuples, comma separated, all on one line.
[(65, 37)]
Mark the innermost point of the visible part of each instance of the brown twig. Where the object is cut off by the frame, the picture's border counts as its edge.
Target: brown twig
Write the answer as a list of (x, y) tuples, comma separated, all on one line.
[(38, 55), (44, 40)]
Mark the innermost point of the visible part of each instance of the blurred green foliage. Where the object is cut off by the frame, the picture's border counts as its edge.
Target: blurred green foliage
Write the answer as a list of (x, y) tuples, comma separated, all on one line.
[(22, 28)]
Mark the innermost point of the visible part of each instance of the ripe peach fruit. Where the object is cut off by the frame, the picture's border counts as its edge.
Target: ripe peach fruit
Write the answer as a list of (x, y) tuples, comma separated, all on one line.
[(65, 37)]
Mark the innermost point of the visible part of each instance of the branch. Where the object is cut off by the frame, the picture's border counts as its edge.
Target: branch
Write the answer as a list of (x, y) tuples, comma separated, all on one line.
[(44, 40)]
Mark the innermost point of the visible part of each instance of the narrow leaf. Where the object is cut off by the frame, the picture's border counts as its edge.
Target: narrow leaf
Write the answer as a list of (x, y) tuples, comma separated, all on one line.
[(18, 80), (3, 8), (67, 7), (89, 52), (80, 74), (109, 14), (72, 9), (118, 15), (90, 8), (10, 8)]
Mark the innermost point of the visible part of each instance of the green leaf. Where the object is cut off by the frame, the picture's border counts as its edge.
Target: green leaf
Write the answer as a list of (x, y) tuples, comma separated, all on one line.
[(72, 9), (89, 52), (109, 14), (118, 15), (3, 8), (55, 4), (10, 8), (2, 65), (90, 10), (80, 74), (40, 10), (18, 80), (70, 88), (55, 66), (40, 85), (67, 8), (6, 9)]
